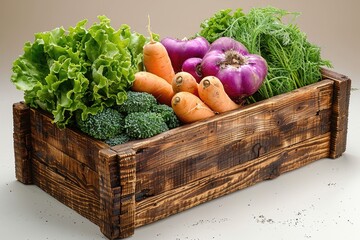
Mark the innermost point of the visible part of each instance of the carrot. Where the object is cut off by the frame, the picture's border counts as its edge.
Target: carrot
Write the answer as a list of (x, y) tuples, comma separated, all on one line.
[(155, 85), (189, 108), (211, 91), (156, 59), (185, 82)]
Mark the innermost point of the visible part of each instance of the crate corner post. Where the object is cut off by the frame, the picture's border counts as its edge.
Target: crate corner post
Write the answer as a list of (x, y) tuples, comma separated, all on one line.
[(22, 142), (117, 180)]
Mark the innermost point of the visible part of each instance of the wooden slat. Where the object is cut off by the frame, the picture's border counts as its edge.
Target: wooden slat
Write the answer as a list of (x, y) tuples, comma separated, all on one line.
[(341, 100), (66, 191), (72, 142), (22, 142), (66, 166), (224, 182), (109, 194), (127, 172)]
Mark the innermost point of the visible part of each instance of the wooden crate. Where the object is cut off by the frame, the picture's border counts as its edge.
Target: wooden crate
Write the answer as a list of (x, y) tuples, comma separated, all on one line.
[(126, 186)]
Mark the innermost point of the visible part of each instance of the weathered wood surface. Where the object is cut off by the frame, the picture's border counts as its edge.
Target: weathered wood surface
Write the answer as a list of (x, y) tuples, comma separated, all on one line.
[(66, 191), (70, 141), (224, 182), (22, 143), (129, 185), (340, 114)]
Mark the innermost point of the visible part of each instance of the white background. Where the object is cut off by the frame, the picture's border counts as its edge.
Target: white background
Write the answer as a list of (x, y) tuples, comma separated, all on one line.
[(319, 201)]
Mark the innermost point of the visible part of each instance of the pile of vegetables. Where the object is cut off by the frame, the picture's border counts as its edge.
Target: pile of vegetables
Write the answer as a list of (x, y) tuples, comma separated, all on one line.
[(118, 85), (293, 61)]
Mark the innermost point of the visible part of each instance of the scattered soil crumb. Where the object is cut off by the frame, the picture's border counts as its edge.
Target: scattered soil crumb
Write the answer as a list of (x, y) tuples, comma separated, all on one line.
[(207, 221)]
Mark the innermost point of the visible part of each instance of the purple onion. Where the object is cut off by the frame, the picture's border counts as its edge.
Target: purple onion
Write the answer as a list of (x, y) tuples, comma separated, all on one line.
[(180, 50), (240, 72), (193, 66)]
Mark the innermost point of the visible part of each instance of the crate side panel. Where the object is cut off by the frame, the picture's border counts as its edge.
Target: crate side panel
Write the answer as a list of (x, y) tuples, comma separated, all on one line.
[(66, 166), (253, 135), (73, 143), (227, 156), (227, 181), (64, 190)]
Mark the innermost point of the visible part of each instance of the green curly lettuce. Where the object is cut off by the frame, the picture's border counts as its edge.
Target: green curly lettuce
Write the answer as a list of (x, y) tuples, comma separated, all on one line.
[(78, 70)]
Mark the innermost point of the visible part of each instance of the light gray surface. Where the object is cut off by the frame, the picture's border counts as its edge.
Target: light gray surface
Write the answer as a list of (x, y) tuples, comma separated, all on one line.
[(319, 201)]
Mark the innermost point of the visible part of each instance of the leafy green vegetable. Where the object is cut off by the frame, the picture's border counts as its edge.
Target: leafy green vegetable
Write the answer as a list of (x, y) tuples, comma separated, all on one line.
[(292, 60), (79, 70)]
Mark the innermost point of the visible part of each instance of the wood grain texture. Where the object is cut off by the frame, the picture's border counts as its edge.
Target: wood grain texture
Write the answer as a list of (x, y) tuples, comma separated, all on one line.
[(341, 100), (109, 189), (70, 141), (66, 191), (230, 180), (22, 143)]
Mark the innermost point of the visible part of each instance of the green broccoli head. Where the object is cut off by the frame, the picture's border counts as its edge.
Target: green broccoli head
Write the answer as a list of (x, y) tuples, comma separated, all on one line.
[(103, 125), (168, 114), (118, 139), (137, 102), (139, 125)]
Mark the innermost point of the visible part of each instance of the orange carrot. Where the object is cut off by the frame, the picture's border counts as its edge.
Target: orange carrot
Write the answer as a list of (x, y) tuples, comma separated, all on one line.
[(156, 59), (185, 82), (212, 93), (189, 108), (155, 85)]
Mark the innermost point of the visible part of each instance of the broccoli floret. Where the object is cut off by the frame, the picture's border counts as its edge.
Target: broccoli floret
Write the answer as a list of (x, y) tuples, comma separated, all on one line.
[(137, 102), (118, 139), (103, 125), (141, 125), (168, 114)]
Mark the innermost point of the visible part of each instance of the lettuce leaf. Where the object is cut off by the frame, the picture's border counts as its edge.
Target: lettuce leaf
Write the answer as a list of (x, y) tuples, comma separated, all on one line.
[(78, 70)]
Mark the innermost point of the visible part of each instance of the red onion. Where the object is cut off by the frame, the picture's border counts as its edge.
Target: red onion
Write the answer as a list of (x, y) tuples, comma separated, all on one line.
[(180, 50), (193, 66), (240, 72)]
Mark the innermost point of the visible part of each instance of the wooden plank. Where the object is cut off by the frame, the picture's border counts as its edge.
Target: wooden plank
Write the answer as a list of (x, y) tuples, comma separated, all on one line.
[(70, 141), (224, 182), (66, 191), (227, 155), (127, 172), (22, 143), (70, 168), (109, 189), (341, 100)]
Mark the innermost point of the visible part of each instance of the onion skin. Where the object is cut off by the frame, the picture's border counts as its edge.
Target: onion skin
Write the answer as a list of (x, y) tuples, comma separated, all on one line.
[(193, 66), (180, 50), (240, 72)]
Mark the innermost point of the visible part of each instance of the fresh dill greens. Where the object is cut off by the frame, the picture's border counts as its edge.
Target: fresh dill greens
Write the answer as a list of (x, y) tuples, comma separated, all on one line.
[(293, 61)]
